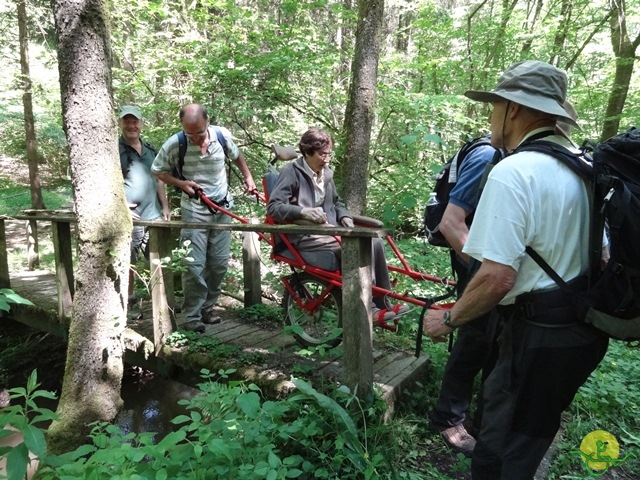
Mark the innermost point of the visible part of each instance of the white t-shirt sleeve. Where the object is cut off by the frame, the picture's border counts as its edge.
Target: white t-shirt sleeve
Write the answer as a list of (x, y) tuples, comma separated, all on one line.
[(499, 227)]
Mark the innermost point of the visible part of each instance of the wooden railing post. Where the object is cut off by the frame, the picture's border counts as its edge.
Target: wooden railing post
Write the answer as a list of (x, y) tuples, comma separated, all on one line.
[(64, 267), (251, 269), (166, 243), (356, 311), (5, 281), (161, 318)]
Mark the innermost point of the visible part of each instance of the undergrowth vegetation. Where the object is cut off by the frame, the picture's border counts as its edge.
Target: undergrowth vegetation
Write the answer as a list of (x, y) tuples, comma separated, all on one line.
[(232, 430), (15, 198)]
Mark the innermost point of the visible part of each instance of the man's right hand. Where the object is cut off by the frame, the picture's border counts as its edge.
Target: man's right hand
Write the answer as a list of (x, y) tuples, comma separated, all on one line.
[(189, 187), (315, 215), (134, 214)]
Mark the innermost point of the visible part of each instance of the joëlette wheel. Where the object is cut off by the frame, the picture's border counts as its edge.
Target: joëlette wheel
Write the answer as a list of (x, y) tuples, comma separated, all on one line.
[(319, 326)]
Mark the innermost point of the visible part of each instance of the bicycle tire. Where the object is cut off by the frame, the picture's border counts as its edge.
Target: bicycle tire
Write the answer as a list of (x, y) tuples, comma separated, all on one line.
[(317, 327)]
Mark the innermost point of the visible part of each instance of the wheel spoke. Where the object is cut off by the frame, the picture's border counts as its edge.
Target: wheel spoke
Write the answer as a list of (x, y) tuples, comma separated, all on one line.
[(318, 325)]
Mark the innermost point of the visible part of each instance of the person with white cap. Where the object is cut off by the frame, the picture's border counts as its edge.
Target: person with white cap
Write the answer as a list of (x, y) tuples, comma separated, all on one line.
[(530, 199), (146, 196)]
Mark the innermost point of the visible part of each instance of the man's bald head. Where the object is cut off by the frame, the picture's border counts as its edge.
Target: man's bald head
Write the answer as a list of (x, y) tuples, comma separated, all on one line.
[(193, 113)]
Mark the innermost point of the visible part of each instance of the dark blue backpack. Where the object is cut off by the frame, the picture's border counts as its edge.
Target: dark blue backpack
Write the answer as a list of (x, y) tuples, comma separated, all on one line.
[(439, 198)]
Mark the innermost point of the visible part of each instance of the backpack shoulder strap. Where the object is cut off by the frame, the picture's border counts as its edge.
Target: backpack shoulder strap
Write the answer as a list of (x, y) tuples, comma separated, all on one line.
[(580, 163), (125, 159), (497, 156), (458, 158), (222, 141), (182, 150), (542, 263), (148, 146)]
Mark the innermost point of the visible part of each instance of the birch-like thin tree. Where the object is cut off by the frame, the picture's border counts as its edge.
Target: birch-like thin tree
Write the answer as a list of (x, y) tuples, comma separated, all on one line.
[(37, 201)]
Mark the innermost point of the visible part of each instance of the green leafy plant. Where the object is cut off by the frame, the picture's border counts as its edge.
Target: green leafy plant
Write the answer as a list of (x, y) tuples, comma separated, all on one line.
[(8, 297), (23, 417), (229, 432), (261, 313), (196, 343)]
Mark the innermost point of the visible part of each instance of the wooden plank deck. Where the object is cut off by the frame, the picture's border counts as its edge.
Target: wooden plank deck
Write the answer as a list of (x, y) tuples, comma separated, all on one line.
[(276, 354)]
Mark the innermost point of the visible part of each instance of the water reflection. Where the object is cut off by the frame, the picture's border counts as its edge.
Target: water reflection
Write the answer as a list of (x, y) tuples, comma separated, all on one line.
[(150, 403)]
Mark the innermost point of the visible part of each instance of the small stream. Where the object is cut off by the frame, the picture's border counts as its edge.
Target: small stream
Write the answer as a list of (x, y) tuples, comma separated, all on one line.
[(150, 403)]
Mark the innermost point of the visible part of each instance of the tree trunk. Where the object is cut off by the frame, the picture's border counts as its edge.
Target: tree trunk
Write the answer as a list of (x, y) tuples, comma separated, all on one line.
[(345, 33), (560, 39), (530, 28), (93, 373), (361, 103), (625, 52), (30, 137)]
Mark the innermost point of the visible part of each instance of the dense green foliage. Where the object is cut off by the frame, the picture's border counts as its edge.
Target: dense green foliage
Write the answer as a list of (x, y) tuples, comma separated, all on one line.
[(231, 432), (267, 70), (270, 69)]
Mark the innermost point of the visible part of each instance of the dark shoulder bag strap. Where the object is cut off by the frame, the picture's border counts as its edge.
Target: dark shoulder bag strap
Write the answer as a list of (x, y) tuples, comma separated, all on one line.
[(182, 150)]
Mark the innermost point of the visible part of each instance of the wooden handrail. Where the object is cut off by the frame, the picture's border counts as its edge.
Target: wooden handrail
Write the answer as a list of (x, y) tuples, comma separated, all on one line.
[(356, 273)]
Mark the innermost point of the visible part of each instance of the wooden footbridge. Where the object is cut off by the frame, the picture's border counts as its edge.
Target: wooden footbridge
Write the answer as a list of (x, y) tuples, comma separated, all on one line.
[(361, 366)]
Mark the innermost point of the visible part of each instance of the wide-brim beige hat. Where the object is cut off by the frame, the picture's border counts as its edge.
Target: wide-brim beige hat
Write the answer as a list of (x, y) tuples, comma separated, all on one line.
[(537, 85)]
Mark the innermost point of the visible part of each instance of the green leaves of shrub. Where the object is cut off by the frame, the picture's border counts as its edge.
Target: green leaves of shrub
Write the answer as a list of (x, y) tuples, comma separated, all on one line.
[(8, 296), (229, 432)]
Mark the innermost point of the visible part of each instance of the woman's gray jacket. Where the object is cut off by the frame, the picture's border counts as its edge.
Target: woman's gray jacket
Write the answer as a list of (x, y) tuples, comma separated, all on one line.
[(294, 191)]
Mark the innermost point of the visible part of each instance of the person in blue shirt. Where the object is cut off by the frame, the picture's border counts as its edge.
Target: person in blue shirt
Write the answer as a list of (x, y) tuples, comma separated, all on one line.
[(475, 348)]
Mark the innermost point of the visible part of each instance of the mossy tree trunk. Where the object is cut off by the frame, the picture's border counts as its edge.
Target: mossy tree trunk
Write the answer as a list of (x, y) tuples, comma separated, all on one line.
[(624, 49), (93, 373)]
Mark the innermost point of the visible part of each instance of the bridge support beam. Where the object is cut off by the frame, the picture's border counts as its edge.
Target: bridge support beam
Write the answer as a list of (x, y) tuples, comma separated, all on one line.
[(64, 268), (356, 312)]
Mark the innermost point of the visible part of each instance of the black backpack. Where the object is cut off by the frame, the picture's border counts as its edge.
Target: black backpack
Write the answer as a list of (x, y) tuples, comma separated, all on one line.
[(439, 197), (182, 150), (611, 301)]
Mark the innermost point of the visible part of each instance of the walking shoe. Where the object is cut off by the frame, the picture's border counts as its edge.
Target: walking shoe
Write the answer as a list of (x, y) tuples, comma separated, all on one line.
[(210, 318), (197, 327), (458, 439)]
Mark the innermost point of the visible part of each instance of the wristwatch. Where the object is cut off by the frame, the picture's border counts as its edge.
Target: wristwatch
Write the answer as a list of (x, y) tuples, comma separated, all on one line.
[(446, 320)]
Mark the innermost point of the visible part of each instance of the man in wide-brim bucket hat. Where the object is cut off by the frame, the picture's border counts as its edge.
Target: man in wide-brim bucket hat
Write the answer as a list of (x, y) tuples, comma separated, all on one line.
[(533, 84), (530, 199)]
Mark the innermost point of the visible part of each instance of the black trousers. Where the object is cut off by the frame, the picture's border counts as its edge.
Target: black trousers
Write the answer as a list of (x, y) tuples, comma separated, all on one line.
[(538, 372), (475, 350)]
